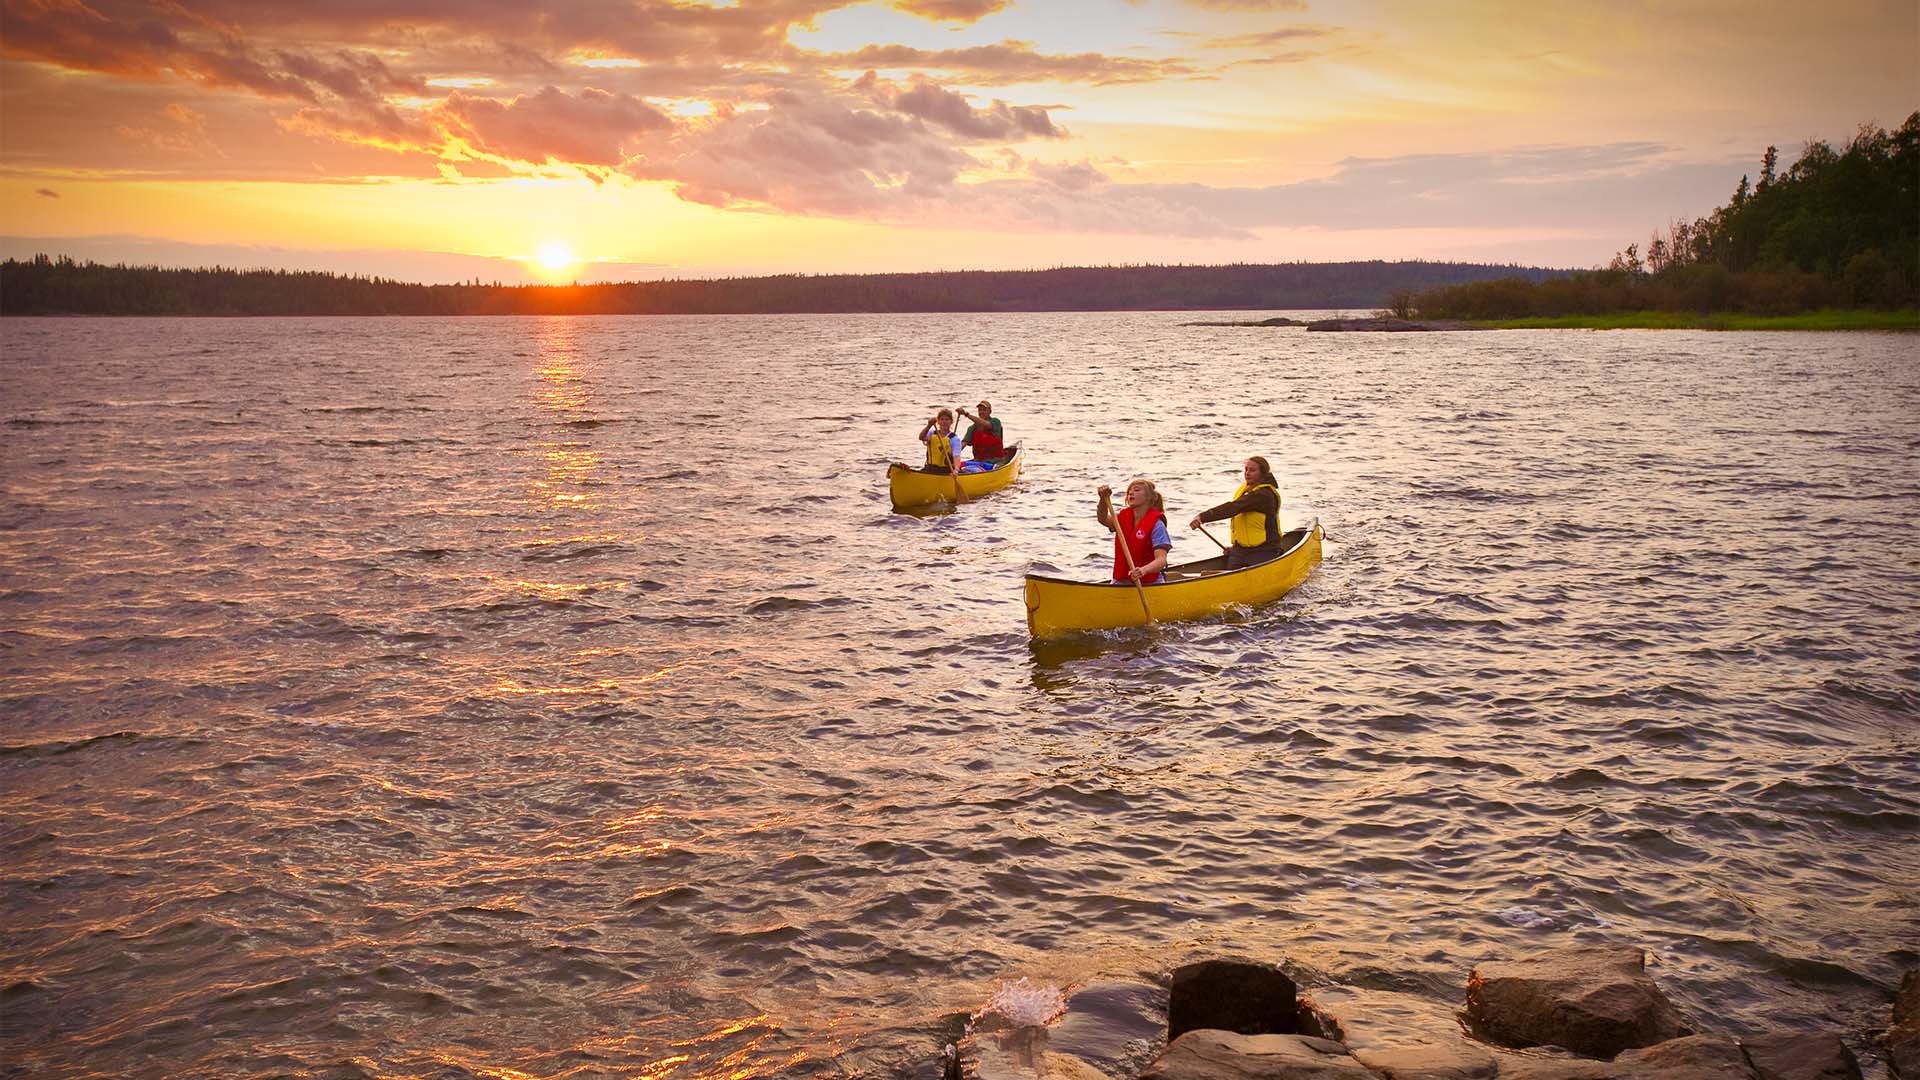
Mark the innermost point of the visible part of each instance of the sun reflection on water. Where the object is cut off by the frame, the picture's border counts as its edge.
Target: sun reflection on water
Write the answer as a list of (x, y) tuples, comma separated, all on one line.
[(565, 398)]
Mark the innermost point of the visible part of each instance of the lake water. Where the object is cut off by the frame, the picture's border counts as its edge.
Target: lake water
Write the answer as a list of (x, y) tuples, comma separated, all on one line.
[(519, 697)]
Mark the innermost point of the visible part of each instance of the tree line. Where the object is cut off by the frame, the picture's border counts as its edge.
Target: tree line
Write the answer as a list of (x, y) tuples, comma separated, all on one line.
[(1838, 228), (58, 285)]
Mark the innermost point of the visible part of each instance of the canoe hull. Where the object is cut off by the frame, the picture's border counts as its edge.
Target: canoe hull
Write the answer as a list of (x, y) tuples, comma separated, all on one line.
[(1056, 607), (910, 487)]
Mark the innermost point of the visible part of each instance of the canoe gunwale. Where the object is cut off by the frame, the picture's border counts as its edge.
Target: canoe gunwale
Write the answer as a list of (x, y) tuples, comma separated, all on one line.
[(1201, 565)]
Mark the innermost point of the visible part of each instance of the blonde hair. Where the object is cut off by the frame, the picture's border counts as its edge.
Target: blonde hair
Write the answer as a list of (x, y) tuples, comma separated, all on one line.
[(1153, 494)]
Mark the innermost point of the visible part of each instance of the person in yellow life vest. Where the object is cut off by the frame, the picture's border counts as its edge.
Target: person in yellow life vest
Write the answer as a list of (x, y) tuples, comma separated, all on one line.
[(943, 446), (1255, 510)]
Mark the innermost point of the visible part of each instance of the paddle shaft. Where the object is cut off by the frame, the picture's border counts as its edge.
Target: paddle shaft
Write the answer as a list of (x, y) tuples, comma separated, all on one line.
[(1213, 538), (1127, 550)]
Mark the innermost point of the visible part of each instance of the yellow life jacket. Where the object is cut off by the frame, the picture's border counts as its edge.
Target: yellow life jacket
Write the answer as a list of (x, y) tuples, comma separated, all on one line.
[(1250, 529), (939, 450)]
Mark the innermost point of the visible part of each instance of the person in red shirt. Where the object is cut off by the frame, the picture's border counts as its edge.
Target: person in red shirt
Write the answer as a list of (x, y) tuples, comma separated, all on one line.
[(1142, 527), (985, 436)]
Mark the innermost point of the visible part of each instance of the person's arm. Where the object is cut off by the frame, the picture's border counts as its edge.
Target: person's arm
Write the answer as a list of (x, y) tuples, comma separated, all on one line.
[(1252, 502), (968, 415), (926, 430), (953, 454), (1103, 511)]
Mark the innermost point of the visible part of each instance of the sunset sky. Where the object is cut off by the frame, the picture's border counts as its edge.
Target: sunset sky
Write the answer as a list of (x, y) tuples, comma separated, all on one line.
[(439, 140)]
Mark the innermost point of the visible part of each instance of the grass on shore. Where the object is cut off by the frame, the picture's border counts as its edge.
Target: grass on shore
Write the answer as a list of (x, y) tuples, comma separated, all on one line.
[(1905, 319)]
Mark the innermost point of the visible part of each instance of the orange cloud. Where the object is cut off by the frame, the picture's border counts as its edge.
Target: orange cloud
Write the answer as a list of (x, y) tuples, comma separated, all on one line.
[(1011, 62), (928, 101), (591, 128), (968, 11)]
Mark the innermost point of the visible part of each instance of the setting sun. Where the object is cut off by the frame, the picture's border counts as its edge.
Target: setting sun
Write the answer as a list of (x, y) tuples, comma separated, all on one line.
[(554, 257)]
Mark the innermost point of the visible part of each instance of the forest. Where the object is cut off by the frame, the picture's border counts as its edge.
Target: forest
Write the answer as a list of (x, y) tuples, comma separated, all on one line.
[(1836, 229), (56, 285)]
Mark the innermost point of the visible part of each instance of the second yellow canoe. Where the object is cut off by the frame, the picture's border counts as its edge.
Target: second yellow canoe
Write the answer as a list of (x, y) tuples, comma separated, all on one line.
[(911, 487)]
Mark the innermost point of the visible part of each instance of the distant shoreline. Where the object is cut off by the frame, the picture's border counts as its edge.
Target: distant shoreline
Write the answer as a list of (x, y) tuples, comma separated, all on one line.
[(1829, 319)]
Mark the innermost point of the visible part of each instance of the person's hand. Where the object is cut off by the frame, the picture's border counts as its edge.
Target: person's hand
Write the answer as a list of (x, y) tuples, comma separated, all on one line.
[(1106, 493), (1137, 573), (1195, 523)]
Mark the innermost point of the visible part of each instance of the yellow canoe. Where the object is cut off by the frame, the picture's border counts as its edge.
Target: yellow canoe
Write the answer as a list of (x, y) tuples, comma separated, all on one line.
[(1192, 590), (911, 487)]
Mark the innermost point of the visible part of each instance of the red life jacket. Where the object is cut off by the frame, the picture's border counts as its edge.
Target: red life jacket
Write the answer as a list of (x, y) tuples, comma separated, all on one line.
[(1139, 540), (987, 442)]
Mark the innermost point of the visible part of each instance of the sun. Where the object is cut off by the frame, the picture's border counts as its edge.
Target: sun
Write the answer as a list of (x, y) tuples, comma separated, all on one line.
[(554, 256)]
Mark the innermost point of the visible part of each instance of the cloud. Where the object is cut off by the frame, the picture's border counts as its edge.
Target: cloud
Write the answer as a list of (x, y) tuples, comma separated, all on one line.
[(1270, 38), (128, 40), (1010, 62), (592, 127), (1068, 176), (929, 102), (808, 155), (1250, 5), (968, 11), (1608, 186)]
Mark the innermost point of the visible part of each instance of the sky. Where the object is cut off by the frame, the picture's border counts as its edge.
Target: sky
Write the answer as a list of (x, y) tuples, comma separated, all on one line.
[(539, 140)]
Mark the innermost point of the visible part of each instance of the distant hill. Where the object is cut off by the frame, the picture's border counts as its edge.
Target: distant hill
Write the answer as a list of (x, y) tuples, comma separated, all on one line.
[(46, 285)]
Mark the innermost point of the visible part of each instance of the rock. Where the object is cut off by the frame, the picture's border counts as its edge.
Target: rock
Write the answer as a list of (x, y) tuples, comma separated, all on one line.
[(1801, 1056), (1019, 1054), (1693, 1057), (1241, 996), (1399, 1036), (1116, 1025), (1518, 1065), (1110, 1027), (1903, 1035), (1387, 324), (1596, 1001), (1280, 320), (1223, 1055)]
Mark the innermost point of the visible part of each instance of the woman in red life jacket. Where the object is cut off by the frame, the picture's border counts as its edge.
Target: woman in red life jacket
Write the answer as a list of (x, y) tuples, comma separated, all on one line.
[(989, 444), (1142, 527)]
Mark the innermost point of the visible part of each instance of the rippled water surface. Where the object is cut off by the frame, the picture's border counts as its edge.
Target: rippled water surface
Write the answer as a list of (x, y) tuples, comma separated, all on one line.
[(442, 698)]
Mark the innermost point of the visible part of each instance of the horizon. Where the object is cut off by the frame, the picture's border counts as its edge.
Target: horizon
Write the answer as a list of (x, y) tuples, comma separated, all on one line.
[(7, 255), (660, 141)]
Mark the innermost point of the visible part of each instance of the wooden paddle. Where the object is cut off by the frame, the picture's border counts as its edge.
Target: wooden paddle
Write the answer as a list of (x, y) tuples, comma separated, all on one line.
[(1214, 538), (1127, 551), (959, 493)]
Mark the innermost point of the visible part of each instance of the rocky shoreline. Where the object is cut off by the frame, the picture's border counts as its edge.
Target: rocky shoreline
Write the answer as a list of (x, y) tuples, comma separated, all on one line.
[(1384, 324), (1577, 1014)]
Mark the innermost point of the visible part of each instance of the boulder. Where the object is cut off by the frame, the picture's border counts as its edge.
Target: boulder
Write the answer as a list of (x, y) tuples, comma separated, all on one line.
[(1692, 1057), (1903, 1035), (1399, 1036), (1117, 1025), (1801, 1056), (1019, 1054), (1109, 1027), (1596, 1001), (1223, 1055), (1242, 996)]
